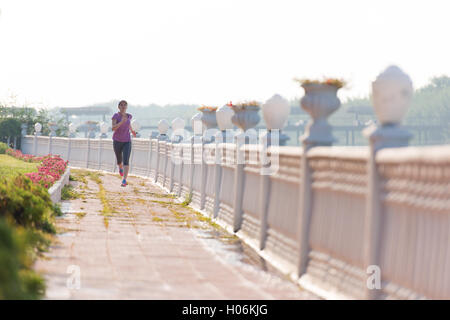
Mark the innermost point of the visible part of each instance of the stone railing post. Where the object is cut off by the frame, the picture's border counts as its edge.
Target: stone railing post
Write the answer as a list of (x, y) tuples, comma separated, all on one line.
[(37, 132), (320, 101), (177, 137), (136, 126), (35, 144), (165, 161), (99, 164), (264, 190), (69, 147), (23, 133), (204, 171), (72, 130), (178, 125), (50, 144), (88, 151), (246, 118), (155, 179), (223, 118), (180, 174), (172, 167), (131, 154), (52, 134), (392, 92), (103, 130), (197, 127), (91, 134), (238, 181), (275, 111), (149, 156), (209, 122), (163, 126), (225, 136), (217, 172)]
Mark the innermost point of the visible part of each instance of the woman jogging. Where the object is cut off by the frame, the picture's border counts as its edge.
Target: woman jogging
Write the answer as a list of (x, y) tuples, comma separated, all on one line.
[(122, 140)]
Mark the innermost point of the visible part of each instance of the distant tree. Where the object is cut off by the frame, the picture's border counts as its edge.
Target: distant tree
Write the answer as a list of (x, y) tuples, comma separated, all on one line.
[(431, 104), (29, 116), (45, 116), (10, 128)]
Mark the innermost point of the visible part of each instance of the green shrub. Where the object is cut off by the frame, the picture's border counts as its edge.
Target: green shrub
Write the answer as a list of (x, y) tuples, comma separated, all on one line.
[(3, 147), (17, 279), (57, 212), (10, 127), (29, 205), (67, 193)]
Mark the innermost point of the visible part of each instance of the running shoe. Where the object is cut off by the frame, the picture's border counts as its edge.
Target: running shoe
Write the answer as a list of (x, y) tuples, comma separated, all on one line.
[(121, 172), (124, 183)]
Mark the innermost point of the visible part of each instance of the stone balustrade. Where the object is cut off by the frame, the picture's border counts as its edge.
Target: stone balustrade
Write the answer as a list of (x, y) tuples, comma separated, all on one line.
[(332, 218), (415, 200)]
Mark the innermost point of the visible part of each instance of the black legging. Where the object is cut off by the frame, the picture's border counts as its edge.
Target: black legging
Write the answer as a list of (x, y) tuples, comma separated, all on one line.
[(122, 148)]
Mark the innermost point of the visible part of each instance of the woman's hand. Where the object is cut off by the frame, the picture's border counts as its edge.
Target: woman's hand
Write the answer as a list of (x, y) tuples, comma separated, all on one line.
[(133, 132)]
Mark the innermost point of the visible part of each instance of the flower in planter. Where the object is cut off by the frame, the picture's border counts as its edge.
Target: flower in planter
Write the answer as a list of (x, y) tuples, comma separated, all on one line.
[(50, 170), (207, 108), (245, 114), (244, 105), (338, 83)]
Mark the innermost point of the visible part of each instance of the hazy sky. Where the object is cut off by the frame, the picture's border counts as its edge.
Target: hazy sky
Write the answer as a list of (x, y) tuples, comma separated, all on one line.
[(72, 53)]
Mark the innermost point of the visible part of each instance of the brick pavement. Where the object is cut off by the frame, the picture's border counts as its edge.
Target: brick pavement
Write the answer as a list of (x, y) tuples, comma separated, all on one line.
[(139, 243)]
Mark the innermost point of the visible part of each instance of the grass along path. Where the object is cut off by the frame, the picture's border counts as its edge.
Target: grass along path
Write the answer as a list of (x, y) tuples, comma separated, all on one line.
[(10, 166)]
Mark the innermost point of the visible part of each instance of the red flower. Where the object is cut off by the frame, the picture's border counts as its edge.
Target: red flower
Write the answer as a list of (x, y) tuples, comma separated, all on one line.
[(49, 171)]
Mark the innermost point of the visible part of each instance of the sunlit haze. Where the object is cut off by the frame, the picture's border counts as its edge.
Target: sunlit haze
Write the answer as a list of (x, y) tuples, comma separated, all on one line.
[(60, 53)]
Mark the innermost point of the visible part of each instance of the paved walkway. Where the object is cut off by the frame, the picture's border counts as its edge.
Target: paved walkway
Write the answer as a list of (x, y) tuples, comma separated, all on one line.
[(138, 243)]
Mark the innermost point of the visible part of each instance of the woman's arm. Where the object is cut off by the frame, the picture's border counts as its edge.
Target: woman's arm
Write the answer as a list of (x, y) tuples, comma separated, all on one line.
[(115, 125), (133, 132)]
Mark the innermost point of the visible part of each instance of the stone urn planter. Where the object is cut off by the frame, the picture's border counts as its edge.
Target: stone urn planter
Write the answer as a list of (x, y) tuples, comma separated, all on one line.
[(209, 117), (209, 122), (53, 127), (24, 128), (91, 125), (320, 101), (245, 116)]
